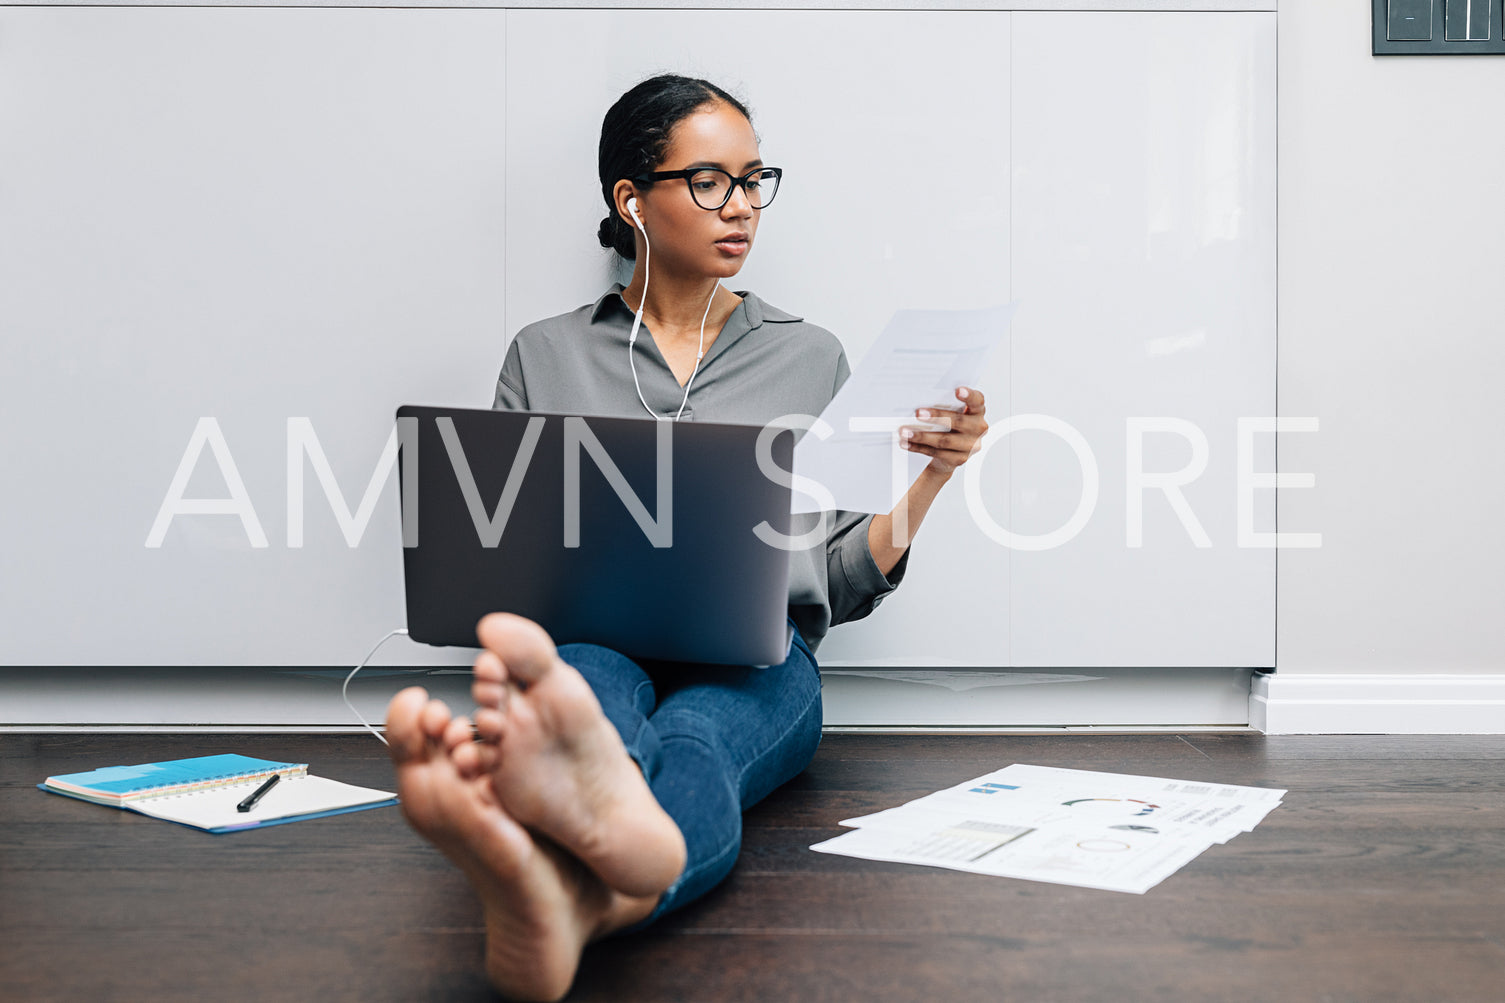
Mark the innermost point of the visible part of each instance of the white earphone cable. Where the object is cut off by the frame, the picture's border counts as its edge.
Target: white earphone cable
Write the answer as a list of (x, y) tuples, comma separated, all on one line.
[(699, 352), (637, 320), (344, 690)]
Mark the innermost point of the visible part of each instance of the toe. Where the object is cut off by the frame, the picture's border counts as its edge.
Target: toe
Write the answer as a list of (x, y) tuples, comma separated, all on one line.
[(467, 760), (405, 737), (434, 719), (489, 668), (456, 734), (490, 724), (521, 645), (487, 757), (490, 695)]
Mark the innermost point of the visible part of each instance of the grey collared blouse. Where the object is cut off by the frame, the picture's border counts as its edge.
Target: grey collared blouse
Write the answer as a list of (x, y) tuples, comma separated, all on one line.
[(764, 364)]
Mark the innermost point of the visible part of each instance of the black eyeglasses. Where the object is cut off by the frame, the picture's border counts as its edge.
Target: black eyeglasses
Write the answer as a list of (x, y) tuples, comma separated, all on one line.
[(711, 187)]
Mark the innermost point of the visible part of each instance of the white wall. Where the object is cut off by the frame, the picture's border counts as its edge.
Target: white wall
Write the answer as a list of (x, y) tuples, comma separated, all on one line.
[(1392, 333), (1392, 264)]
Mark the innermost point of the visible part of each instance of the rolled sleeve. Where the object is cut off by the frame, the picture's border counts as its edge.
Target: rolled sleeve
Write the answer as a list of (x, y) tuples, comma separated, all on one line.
[(855, 583)]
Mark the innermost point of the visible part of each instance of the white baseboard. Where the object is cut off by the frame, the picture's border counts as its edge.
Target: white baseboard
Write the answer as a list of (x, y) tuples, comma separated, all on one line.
[(1049, 698), (1280, 704), (1371, 704), (231, 699)]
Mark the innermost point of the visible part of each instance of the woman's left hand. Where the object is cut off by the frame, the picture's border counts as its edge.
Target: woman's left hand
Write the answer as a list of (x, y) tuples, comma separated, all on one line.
[(949, 450)]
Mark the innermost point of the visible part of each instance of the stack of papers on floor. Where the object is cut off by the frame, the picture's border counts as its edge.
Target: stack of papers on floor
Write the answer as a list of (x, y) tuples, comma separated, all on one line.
[(1072, 827)]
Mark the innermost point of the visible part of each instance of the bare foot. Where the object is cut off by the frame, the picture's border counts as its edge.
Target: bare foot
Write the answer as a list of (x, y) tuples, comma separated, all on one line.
[(541, 905), (560, 767)]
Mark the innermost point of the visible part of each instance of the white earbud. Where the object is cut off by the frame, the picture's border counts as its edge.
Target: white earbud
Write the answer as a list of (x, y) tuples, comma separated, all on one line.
[(637, 320)]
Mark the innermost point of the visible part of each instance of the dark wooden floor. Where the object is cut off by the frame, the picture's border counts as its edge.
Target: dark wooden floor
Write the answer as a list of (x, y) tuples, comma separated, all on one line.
[(1382, 877)]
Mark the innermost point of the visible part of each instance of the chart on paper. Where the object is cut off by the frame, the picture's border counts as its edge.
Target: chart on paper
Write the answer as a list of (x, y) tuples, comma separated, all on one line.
[(1075, 827)]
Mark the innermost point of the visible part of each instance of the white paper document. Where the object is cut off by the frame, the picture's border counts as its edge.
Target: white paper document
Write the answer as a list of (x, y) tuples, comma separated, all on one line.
[(1096, 830), (1103, 858), (852, 455), (216, 809), (1042, 795)]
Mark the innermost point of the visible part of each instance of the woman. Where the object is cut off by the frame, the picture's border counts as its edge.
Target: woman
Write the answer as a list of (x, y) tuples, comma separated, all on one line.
[(603, 793)]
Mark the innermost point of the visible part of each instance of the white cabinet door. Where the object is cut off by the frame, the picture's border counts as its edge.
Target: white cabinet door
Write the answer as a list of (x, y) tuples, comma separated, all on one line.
[(1144, 266), (249, 216)]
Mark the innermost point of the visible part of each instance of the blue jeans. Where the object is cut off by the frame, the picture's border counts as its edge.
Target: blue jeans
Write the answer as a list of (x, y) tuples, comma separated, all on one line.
[(712, 741)]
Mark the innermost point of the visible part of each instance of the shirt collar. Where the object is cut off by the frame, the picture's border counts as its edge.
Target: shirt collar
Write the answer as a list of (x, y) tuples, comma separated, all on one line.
[(755, 309), (610, 299)]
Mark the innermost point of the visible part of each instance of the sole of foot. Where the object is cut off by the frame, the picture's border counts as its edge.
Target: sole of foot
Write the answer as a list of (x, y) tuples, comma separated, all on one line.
[(560, 767), (541, 905)]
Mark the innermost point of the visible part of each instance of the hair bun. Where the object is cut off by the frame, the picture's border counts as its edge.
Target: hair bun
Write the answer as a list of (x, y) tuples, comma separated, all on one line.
[(618, 236)]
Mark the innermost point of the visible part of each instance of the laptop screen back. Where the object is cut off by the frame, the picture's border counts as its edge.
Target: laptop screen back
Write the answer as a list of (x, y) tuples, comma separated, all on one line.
[(631, 533)]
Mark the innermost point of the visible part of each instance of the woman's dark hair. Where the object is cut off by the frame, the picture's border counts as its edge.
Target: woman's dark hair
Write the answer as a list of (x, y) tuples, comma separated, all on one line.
[(635, 135)]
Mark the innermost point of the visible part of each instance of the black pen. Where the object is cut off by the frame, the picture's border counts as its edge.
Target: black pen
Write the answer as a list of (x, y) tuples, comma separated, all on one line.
[(250, 802)]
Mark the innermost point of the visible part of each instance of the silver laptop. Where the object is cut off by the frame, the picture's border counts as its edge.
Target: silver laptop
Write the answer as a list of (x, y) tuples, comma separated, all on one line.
[(636, 534)]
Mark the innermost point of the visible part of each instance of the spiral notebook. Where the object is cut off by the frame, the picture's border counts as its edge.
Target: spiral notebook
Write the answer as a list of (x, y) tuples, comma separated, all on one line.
[(203, 792)]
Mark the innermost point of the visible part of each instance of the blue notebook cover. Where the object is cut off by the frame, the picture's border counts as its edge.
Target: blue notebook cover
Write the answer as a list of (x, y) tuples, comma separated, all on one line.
[(117, 784)]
